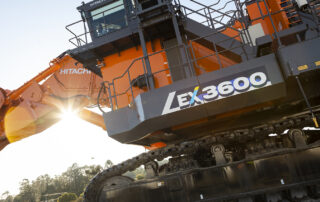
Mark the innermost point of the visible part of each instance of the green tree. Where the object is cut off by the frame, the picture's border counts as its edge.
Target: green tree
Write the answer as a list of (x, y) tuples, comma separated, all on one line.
[(5, 194), (67, 197), (27, 193), (91, 171), (17, 199), (75, 179), (6, 197)]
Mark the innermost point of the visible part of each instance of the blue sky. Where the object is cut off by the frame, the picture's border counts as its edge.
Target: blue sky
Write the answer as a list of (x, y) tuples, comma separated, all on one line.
[(32, 34)]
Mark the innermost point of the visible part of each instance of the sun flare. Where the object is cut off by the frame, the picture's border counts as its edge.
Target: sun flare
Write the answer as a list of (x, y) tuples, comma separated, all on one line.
[(69, 115)]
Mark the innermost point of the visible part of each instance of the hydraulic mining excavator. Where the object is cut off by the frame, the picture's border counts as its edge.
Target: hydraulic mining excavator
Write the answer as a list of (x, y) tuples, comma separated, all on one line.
[(226, 91)]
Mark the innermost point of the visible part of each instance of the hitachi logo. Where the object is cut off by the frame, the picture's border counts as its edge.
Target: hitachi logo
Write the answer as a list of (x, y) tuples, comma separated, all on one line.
[(75, 71)]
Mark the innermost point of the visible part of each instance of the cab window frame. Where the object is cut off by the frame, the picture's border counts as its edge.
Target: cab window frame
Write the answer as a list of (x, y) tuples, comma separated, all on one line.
[(109, 8)]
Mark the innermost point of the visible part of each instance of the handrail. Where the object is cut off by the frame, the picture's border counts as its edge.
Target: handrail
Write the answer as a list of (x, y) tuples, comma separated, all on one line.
[(223, 25), (210, 6), (86, 32), (77, 37), (114, 95), (127, 72), (224, 19)]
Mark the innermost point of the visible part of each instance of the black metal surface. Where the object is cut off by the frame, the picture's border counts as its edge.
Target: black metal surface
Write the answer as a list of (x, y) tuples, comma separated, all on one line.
[(131, 124), (252, 138), (146, 58), (236, 180), (299, 54), (263, 45), (174, 60)]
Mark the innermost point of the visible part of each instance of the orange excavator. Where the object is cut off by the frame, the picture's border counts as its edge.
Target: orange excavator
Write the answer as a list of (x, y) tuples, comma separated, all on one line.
[(226, 91)]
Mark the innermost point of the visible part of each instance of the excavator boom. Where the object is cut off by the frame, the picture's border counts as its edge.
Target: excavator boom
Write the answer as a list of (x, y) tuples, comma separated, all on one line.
[(38, 104)]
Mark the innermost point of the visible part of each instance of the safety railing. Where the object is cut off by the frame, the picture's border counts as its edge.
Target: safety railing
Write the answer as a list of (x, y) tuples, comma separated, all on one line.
[(110, 90), (86, 33), (220, 17), (216, 15), (220, 20), (314, 6)]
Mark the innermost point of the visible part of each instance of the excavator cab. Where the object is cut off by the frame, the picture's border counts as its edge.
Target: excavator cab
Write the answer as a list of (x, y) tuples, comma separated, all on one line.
[(106, 17)]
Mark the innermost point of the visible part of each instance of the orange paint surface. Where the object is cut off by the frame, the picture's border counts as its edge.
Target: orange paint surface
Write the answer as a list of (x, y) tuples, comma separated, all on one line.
[(156, 145), (116, 67), (280, 20), (207, 60)]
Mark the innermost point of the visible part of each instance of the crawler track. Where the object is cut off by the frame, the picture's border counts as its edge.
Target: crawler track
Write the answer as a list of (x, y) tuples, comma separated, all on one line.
[(259, 148)]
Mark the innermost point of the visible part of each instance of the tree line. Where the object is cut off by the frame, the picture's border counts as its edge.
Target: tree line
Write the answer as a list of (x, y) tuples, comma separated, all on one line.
[(69, 186)]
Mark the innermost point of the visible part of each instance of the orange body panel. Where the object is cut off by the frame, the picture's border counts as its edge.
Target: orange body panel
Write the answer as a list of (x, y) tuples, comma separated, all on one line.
[(116, 66), (255, 14), (116, 69), (232, 32), (2, 98), (280, 20), (156, 145), (207, 60)]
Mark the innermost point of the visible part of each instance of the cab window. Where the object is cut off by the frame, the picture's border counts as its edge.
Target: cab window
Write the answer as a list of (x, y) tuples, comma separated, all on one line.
[(109, 18)]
